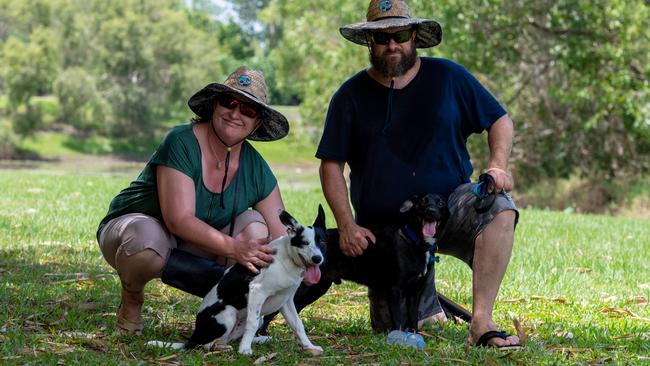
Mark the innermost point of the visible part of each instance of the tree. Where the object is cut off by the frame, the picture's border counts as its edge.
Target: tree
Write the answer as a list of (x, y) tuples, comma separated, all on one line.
[(573, 74), (28, 68), (133, 63)]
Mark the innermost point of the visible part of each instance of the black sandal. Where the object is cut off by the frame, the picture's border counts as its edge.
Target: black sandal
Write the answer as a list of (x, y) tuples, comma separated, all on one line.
[(485, 338)]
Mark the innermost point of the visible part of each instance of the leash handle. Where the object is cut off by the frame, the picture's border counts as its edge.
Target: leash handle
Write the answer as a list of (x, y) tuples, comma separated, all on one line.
[(485, 192)]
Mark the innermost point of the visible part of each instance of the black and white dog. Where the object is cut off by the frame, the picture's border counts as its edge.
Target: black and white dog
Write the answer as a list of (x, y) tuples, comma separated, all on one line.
[(234, 307)]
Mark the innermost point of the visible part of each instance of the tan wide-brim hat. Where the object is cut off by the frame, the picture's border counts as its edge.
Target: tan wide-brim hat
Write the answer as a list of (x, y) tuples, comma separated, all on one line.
[(250, 86), (386, 14)]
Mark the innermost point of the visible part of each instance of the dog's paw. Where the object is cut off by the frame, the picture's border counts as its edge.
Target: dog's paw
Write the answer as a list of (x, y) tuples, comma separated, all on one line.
[(247, 351), (261, 339), (217, 346), (313, 350)]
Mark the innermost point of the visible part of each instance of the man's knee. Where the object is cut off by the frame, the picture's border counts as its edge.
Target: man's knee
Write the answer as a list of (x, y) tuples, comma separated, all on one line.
[(501, 227), (504, 220)]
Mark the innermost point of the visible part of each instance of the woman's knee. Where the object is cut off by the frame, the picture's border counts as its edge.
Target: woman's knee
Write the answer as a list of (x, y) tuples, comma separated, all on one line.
[(254, 230), (131, 234), (250, 225), (135, 270)]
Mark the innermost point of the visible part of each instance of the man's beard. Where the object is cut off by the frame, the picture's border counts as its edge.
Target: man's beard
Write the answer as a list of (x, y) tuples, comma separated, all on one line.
[(390, 69)]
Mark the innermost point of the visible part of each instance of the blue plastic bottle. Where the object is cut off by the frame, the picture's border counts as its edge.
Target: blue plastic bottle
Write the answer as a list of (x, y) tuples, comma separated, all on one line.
[(406, 339)]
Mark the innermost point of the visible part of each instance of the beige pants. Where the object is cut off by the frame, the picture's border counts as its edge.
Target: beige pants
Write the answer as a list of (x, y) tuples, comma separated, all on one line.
[(138, 246)]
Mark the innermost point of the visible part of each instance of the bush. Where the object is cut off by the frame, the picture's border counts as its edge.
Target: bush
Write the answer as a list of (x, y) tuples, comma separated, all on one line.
[(81, 105), (8, 140), (27, 119)]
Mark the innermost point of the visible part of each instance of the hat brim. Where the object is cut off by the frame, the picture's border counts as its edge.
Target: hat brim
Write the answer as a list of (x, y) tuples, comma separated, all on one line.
[(274, 125), (429, 32)]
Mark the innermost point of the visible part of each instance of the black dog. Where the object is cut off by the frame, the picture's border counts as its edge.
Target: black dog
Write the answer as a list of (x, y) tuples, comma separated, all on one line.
[(395, 266)]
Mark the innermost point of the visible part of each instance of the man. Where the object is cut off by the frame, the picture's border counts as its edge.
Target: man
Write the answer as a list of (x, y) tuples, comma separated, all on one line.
[(402, 126)]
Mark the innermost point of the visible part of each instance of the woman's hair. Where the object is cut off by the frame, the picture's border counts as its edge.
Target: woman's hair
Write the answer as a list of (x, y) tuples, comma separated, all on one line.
[(207, 115)]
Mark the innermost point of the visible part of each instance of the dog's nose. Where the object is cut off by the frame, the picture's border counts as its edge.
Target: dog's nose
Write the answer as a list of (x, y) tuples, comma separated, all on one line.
[(316, 259)]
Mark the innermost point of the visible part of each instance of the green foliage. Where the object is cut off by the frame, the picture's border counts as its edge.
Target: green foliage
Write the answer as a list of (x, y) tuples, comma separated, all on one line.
[(27, 119), (8, 140), (121, 68), (312, 59), (573, 74), (28, 68), (81, 104)]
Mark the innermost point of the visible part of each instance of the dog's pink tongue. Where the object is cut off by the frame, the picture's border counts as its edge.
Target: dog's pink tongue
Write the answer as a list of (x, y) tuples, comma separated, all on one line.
[(429, 229), (312, 275)]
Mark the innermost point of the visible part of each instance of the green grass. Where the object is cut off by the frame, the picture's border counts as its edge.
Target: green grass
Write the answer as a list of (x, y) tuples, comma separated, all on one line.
[(579, 283), (50, 145)]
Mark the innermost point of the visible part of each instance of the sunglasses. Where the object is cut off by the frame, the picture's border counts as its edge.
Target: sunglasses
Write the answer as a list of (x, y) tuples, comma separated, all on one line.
[(383, 38), (245, 109)]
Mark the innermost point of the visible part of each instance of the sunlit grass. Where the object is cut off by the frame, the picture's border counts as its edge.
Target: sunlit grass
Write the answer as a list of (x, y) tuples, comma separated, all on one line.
[(580, 284)]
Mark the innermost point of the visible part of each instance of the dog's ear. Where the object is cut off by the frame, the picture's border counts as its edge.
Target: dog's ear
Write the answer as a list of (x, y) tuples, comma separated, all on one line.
[(407, 205), (291, 223), (320, 219)]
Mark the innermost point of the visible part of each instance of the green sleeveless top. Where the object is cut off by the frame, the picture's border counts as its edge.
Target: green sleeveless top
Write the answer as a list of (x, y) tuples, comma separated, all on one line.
[(180, 150)]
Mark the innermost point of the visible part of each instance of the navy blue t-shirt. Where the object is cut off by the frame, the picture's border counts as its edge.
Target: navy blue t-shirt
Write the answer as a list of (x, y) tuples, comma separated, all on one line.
[(420, 148)]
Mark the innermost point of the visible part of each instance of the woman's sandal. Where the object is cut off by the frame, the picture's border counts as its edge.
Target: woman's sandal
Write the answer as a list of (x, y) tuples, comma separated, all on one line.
[(127, 327)]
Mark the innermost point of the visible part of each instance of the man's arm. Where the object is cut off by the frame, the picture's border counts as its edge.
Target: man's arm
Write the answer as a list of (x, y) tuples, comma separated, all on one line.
[(500, 142), (352, 236)]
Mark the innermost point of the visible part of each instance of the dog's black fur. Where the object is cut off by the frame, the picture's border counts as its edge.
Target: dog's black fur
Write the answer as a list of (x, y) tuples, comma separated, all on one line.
[(397, 263), (395, 266)]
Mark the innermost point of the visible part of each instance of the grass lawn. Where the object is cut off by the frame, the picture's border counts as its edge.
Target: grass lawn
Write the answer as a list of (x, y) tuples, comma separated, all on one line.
[(578, 284)]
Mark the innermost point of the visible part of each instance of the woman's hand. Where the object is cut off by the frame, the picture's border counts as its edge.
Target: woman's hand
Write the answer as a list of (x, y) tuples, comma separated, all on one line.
[(253, 254)]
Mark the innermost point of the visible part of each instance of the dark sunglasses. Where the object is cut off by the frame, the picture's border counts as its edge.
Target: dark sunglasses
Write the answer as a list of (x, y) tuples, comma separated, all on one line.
[(245, 109), (383, 38)]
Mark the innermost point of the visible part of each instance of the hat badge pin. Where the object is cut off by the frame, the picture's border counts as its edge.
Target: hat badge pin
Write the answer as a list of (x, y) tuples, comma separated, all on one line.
[(244, 80), (385, 5)]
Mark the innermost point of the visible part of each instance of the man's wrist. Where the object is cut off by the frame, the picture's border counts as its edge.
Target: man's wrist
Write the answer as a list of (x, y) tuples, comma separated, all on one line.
[(345, 224), (496, 169)]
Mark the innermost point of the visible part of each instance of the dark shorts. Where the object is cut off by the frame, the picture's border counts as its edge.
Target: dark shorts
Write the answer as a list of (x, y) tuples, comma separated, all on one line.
[(456, 239)]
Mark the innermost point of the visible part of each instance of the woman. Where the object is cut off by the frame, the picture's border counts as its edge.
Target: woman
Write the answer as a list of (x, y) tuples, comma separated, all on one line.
[(187, 214)]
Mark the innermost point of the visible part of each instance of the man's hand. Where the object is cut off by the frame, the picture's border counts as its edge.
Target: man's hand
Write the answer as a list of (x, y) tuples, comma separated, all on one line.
[(502, 178), (353, 239)]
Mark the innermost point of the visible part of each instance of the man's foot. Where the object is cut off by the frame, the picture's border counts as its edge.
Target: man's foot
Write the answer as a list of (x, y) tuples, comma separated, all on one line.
[(489, 335), (129, 319), (484, 340), (436, 319)]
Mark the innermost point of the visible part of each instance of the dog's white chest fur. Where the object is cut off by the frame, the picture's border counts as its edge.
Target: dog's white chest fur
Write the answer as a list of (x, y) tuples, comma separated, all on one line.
[(279, 281)]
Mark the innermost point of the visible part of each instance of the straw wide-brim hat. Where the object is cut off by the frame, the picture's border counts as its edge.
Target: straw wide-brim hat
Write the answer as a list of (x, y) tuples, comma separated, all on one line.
[(385, 14), (250, 86)]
